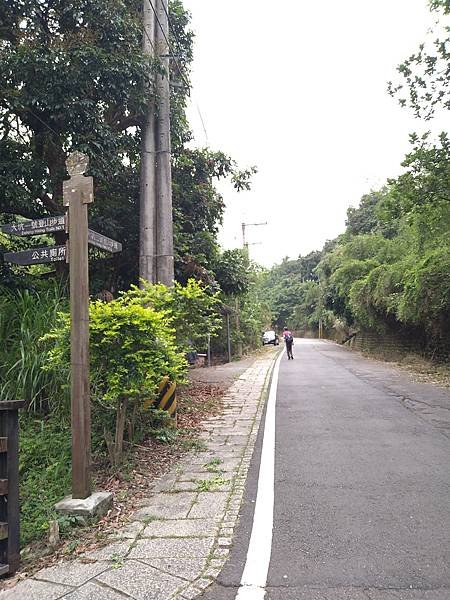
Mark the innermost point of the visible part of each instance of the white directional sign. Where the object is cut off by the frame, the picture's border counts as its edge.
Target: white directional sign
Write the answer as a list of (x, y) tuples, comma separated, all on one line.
[(103, 242), (36, 227)]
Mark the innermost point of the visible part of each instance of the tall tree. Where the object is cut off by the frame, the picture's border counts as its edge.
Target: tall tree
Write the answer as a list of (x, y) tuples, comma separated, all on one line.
[(425, 75), (73, 76)]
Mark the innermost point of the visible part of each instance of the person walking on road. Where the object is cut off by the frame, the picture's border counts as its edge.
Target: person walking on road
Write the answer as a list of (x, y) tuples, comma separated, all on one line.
[(289, 341)]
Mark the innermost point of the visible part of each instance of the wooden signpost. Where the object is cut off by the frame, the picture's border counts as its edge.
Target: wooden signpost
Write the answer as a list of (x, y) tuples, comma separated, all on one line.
[(78, 192)]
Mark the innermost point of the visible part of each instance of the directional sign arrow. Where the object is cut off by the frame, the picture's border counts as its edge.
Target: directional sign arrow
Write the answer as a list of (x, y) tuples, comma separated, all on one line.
[(36, 227), (36, 256), (103, 242)]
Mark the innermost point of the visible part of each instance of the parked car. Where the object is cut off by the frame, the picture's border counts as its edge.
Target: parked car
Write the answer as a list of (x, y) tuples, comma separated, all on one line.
[(270, 337)]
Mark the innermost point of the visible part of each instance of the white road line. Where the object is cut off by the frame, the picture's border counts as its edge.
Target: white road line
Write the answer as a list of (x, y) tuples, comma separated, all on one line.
[(254, 577)]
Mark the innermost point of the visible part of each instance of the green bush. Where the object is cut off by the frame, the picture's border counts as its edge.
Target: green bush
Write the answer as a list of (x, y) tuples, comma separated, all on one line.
[(190, 310), (426, 296), (131, 348)]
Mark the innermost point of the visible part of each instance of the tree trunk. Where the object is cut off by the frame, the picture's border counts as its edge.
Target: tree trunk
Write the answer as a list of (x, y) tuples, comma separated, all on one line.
[(120, 428)]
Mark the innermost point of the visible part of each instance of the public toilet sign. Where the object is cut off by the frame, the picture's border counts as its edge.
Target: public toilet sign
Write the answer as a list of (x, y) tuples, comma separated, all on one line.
[(36, 256), (49, 254)]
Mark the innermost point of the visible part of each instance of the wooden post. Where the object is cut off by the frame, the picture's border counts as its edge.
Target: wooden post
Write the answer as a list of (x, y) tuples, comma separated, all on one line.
[(209, 350), (78, 193), (228, 337), (239, 348), (9, 487)]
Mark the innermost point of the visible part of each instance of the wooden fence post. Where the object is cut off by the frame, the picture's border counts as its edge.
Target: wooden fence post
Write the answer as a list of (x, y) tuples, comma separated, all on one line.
[(9, 487)]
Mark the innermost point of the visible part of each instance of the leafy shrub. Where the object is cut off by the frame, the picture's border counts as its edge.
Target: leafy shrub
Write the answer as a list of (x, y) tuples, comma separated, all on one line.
[(426, 296), (131, 348), (190, 310)]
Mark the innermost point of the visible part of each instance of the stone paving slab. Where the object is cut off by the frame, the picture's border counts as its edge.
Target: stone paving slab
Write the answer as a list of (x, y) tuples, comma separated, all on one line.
[(142, 582), (94, 591), (209, 504), (170, 547), (177, 542), (185, 528), (185, 568), (35, 590), (73, 573)]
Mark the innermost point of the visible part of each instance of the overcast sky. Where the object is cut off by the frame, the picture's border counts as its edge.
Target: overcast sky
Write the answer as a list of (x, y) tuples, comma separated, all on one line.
[(298, 88)]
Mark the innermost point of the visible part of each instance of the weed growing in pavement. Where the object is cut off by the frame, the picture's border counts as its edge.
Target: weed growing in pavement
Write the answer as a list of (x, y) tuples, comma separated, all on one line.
[(117, 561), (208, 485), (213, 465), (66, 522), (150, 519)]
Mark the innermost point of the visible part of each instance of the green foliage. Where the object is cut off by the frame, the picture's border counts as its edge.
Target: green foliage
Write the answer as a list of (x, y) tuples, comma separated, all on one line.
[(389, 270), (233, 273), (284, 290), (131, 348), (92, 95), (45, 472), (425, 75), (25, 316), (190, 309), (426, 295), (89, 95)]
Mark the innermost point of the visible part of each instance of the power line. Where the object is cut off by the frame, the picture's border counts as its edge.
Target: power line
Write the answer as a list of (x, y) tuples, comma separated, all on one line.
[(203, 123), (171, 55), (186, 83), (175, 35)]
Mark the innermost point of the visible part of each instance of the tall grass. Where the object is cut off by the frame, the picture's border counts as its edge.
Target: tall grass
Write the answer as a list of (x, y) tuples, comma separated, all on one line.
[(25, 316)]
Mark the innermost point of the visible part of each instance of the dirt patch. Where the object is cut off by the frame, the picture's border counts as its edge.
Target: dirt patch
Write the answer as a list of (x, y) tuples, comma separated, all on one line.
[(421, 369), (426, 371)]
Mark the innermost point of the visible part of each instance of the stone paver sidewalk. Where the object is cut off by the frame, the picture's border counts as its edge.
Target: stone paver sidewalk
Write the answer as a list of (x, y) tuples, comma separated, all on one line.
[(178, 541)]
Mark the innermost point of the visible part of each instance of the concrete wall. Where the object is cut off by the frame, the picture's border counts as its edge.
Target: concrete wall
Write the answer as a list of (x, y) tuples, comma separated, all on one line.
[(389, 345)]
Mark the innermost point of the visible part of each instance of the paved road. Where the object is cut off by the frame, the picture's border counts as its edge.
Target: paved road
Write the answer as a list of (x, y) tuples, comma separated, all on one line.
[(362, 484)]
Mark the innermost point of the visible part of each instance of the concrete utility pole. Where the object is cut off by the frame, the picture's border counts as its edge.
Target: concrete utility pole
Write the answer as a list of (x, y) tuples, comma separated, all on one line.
[(147, 221), (164, 222)]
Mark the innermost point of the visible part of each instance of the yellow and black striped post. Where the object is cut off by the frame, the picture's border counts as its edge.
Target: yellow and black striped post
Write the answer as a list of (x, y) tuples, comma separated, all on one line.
[(166, 398)]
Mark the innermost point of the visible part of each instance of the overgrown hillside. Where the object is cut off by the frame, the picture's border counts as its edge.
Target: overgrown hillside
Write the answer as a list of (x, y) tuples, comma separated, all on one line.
[(390, 269)]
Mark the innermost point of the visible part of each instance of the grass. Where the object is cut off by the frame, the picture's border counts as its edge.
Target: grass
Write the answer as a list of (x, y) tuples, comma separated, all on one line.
[(213, 465), (45, 474), (25, 316), (209, 485), (195, 444)]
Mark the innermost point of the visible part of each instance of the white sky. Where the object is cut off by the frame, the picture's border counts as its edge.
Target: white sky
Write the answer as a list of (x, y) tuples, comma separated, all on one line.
[(299, 89)]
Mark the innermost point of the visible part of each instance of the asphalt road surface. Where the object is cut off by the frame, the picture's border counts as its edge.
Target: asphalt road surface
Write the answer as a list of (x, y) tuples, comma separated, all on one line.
[(362, 484)]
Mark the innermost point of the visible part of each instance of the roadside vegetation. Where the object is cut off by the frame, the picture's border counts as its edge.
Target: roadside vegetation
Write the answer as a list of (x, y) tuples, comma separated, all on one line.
[(389, 272), (91, 95)]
